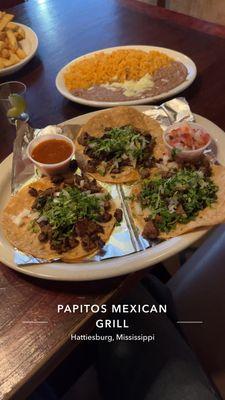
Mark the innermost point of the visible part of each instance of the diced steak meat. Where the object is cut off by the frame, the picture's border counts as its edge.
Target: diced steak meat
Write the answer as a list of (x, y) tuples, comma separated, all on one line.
[(180, 210), (158, 219), (57, 179), (33, 192), (144, 172), (39, 202), (69, 181), (73, 242), (87, 227), (43, 237), (115, 170), (150, 231), (91, 184), (118, 214), (107, 205), (105, 217), (201, 164), (88, 243), (73, 165), (91, 165), (63, 244), (83, 138)]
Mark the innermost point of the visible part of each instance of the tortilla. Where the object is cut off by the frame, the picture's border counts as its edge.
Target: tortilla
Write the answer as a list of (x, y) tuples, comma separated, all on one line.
[(118, 117), (27, 241), (208, 217)]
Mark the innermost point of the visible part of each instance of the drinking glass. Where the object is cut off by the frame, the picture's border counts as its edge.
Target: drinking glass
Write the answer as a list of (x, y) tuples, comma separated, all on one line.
[(12, 101)]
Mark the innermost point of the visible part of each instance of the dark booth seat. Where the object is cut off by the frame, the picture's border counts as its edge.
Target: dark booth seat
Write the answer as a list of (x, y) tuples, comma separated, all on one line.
[(199, 293)]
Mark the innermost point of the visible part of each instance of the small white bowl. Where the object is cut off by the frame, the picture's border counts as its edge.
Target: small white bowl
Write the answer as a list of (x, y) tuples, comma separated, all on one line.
[(186, 154), (50, 169)]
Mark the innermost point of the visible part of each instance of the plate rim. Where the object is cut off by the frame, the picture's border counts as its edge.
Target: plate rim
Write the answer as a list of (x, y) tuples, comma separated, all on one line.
[(93, 103), (14, 68), (116, 266)]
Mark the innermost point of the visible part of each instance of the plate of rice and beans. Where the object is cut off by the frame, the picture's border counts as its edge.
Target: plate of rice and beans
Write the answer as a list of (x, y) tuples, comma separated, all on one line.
[(125, 75)]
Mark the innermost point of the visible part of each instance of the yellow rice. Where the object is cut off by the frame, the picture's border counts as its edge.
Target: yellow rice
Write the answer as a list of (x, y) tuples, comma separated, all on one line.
[(120, 65)]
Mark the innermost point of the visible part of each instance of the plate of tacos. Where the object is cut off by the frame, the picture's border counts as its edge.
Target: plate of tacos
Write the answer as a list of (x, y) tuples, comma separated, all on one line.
[(170, 201), (118, 146), (60, 220)]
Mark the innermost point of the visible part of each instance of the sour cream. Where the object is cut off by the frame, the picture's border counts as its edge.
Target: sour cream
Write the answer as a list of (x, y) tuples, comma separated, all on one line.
[(50, 129)]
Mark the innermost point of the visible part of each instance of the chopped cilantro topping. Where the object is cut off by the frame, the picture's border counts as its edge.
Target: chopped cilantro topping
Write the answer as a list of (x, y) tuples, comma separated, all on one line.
[(177, 199), (64, 210), (69, 216), (119, 142), (101, 171), (33, 226), (70, 205)]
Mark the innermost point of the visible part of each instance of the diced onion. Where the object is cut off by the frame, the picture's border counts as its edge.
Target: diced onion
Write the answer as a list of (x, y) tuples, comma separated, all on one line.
[(18, 219), (99, 195), (42, 218), (34, 215), (138, 209)]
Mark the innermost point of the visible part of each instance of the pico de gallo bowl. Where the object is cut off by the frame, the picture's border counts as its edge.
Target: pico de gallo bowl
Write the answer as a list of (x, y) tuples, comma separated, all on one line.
[(187, 139)]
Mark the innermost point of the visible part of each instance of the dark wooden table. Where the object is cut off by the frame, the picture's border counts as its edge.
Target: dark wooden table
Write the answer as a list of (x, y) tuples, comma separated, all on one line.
[(68, 29)]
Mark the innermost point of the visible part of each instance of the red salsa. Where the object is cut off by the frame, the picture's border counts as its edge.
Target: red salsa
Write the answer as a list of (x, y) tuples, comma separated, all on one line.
[(52, 151), (186, 137)]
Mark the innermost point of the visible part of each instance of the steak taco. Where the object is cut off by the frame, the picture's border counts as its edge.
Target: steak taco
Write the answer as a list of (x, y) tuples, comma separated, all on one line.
[(180, 200), (119, 145), (70, 219)]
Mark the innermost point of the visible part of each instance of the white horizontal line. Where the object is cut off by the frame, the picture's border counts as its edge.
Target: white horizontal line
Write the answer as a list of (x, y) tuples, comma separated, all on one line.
[(35, 322), (189, 322)]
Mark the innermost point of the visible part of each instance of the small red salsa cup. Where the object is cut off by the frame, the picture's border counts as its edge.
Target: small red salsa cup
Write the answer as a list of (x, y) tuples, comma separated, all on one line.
[(51, 153)]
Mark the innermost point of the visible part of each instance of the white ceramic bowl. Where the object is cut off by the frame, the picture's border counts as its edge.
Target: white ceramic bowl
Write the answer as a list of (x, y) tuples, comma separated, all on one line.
[(186, 154), (50, 169), (29, 45)]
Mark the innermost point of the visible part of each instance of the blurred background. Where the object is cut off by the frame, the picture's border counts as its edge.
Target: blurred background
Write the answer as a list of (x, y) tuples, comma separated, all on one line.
[(209, 10)]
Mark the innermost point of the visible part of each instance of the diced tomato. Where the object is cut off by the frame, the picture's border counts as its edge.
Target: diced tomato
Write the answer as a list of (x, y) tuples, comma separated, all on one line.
[(187, 137)]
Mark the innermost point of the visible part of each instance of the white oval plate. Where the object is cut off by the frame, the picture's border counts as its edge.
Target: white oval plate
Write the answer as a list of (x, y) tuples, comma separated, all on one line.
[(29, 45), (190, 65), (108, 268)]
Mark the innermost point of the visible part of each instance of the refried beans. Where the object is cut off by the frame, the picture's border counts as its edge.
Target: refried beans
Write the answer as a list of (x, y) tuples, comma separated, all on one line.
[(164, 79)]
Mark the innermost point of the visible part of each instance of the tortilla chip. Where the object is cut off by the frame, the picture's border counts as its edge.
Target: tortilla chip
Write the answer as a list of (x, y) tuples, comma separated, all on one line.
[(208, 217), (27, 241), (117, 117)]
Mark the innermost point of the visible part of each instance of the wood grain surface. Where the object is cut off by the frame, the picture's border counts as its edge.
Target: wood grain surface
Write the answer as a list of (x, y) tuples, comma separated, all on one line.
[(34, 337), (68, 29)]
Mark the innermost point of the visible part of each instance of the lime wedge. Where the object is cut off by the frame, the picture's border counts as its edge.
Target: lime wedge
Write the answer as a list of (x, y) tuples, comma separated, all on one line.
[(18, 105)]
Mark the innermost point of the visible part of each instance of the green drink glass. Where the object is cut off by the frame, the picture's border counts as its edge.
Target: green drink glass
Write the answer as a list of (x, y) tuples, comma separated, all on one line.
[(12, 101)]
